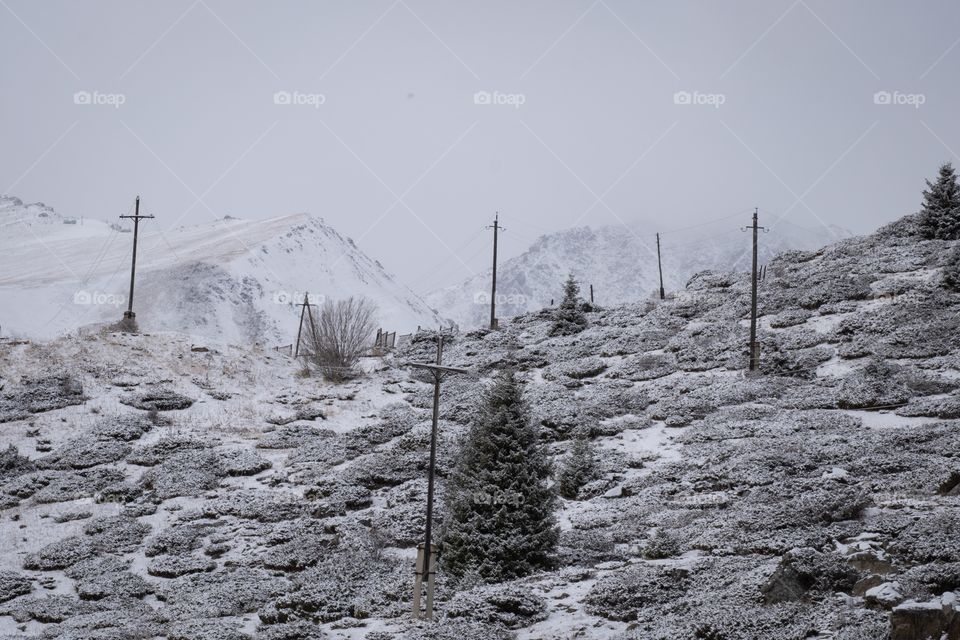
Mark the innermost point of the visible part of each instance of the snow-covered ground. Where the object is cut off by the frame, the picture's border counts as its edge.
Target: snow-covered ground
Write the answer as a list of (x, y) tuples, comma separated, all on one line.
[(814, 499)]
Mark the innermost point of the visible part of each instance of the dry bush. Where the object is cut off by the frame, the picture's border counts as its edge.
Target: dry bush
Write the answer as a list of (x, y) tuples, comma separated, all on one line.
[(339, 336)]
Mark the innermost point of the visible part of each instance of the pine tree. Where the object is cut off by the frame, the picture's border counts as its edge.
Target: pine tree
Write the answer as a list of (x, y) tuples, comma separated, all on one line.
[(579, 468), (569, 318), (500, 511), (951, 271), (940, 214)]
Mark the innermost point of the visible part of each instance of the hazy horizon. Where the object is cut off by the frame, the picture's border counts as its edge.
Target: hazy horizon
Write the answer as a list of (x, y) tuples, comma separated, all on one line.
[(417, 120)]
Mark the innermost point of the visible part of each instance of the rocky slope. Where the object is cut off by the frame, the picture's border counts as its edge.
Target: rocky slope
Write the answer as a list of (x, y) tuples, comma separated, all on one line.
[(229, 280), (216, 494)]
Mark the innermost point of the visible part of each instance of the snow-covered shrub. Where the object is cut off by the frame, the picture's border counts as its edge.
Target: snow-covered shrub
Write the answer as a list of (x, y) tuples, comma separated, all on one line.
[(511, 605), (621, 595), (38, 395), (13, 584), (926, 540), (803, 573), (878, 384), (158, 400), (352, 581), (662, 544)]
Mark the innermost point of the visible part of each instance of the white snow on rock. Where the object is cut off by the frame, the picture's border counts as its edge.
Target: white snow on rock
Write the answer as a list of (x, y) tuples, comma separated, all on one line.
[(887, 594)]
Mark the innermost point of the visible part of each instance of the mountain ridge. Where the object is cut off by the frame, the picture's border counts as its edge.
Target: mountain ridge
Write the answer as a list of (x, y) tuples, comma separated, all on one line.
[(236, 280), (621, 266)]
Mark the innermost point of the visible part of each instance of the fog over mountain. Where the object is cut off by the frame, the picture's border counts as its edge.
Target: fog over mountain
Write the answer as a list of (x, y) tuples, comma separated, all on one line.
[(620, 262)]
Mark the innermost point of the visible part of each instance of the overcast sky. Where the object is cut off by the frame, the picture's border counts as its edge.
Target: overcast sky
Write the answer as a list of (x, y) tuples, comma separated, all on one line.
[(595, 112)]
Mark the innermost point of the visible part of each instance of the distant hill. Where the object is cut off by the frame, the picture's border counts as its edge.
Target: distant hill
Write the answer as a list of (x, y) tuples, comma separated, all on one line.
[(621, 263), (231, 280)]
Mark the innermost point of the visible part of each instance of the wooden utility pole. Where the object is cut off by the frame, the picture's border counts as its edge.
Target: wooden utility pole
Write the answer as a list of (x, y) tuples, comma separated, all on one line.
[(136, 217), (591, 294), (426, 558), (660, 267), (304, 309), (493, 286), (754, 347)]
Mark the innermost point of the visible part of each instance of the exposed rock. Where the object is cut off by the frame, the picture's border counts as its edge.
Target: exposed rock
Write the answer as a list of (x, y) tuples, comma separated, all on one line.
[(924, 620), (886, 595)]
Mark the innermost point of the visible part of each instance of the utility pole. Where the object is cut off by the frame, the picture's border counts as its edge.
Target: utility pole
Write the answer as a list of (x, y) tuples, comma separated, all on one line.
[(660, 267), (493, 287), (754, 347), (136, 217), (304, 309), (591, 294), (426, 560)]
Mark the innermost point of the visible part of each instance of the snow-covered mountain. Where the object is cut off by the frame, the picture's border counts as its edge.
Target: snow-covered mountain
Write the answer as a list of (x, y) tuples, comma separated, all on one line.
[(228, 280), (620, 262)]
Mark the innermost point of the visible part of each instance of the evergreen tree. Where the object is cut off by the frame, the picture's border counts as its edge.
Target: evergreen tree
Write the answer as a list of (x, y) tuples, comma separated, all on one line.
[(579, 468), (569, 318), (500, 511), (940, 214), (951, 271)]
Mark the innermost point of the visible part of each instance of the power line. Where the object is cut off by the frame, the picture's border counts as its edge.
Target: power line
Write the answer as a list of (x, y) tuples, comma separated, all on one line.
[(706, 222), (433, 271)]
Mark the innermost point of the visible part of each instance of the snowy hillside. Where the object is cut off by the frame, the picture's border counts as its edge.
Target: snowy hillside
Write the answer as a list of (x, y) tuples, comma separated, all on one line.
[(229, 280), (621, 263), (186, 494)]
